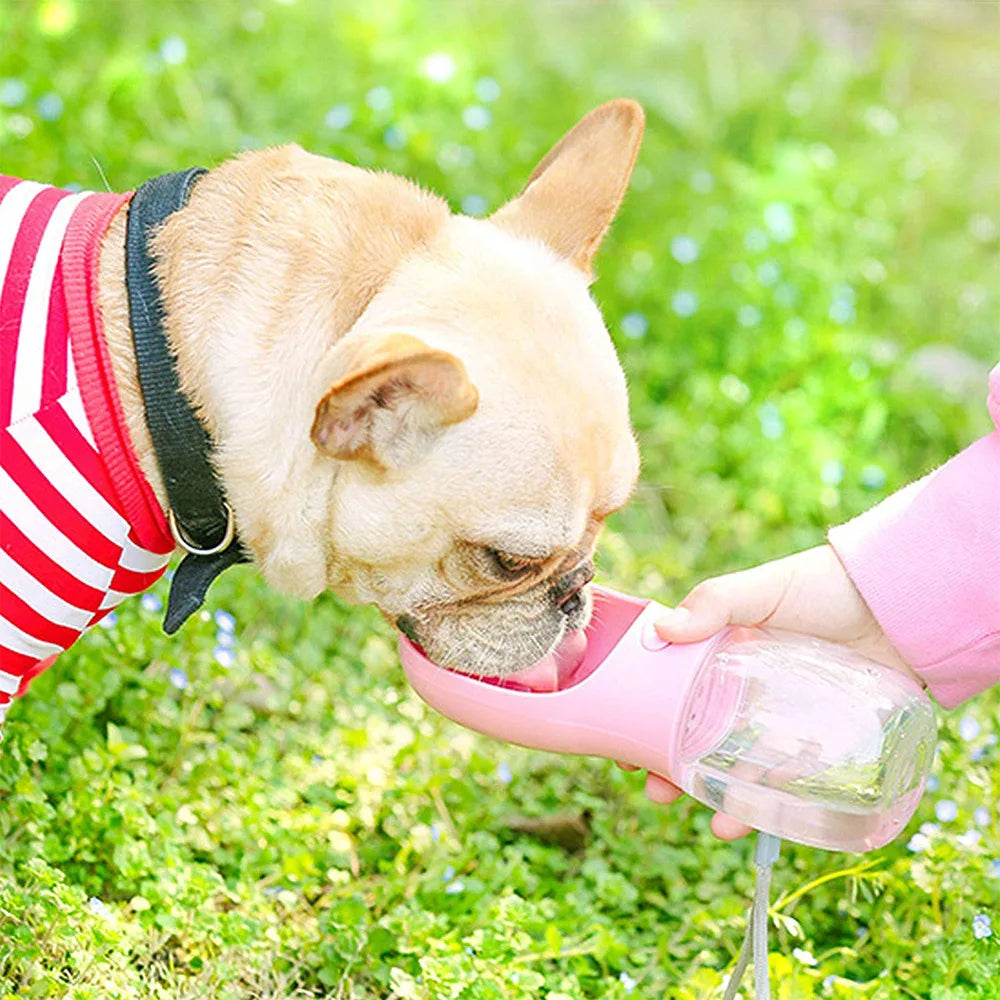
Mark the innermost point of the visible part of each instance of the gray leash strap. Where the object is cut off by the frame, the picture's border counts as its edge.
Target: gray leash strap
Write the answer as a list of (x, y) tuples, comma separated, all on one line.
[(755, 939)]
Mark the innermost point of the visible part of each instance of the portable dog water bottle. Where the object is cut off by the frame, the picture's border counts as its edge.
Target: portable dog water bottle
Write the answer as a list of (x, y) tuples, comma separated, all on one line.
[(800, 738)]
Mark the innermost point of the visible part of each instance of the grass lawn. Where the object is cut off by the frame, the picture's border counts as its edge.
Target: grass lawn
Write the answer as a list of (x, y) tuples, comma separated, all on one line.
[(804, 286)]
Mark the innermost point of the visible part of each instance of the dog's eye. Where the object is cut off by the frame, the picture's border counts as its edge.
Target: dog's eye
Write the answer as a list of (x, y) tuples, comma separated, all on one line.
[(512, 565)]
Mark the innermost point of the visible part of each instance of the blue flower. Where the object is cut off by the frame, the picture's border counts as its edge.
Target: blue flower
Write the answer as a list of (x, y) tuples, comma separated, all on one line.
[(13, 92), (477, 118), (981, 817), (110, 620), (225, 621), (452, 888), (634, 325), (224, 656), (684, 303), (873, 477), (379, 98), (338, 117), (448, 874), (474, 205), (50, 107), (151, 603), (772, 424), (945, 810), (394, 137), (627, 981), (226, 639), (684, 249), (178, 678), (832, 473), (933, 783), (97, 906), (487, 89), (504, 774), (969, 728), (995, 868), (919, 842), (842, 307), (982, 927), (435, 832), (769, 272), (173, 50)]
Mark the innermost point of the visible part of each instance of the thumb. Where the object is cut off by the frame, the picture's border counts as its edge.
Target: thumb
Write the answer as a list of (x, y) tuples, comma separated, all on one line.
[(690, 622), (743, 598)]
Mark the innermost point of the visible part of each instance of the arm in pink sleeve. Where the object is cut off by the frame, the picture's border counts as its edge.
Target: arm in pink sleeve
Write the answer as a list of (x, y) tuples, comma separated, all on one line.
[(927, 562)]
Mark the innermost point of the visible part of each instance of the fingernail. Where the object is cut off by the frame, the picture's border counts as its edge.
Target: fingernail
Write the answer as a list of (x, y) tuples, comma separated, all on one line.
[(673, 621)]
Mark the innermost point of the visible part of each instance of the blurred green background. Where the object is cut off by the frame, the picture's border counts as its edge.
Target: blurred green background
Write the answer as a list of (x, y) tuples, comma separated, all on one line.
[(804, 288)]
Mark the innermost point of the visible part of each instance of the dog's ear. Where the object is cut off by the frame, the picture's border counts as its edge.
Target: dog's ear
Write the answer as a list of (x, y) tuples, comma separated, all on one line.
[(393, 397), (574, 192)]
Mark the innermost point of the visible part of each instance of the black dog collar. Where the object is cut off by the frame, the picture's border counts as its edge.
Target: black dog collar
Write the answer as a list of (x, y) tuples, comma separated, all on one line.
[(200, 519)]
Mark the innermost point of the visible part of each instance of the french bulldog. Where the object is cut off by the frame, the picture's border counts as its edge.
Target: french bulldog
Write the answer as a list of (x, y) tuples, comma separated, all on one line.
[(409, 407)]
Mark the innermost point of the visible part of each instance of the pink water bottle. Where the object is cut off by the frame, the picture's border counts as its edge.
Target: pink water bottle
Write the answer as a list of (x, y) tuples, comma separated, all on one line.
[(804, 739)]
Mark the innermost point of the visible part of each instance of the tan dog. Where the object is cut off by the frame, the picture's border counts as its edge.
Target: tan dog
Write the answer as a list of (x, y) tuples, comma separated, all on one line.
[(414, 409)]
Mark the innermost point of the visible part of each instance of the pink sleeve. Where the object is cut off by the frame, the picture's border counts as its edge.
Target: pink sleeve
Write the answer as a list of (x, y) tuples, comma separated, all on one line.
[(927, 562)]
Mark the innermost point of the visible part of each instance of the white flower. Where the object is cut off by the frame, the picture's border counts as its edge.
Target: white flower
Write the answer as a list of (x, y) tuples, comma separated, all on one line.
[(945, 810), (969, 728), (439, 67)]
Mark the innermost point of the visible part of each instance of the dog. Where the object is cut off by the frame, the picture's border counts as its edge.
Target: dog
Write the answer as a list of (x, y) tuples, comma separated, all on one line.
[(412, 408)]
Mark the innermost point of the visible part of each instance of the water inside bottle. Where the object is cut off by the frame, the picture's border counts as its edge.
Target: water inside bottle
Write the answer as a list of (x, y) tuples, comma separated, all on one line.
[(806, 739)]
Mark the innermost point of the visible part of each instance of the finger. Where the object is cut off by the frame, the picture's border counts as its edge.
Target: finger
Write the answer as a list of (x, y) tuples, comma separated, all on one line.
[(727, 828), (660, 790), (743, 598)]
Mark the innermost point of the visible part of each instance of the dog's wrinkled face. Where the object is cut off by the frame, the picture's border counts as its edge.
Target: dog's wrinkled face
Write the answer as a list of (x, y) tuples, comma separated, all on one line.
[(488, 441), (473, 523), (415, 409)]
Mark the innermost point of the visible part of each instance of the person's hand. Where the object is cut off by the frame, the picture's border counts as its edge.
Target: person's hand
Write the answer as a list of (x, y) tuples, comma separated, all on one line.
[(809, 592)]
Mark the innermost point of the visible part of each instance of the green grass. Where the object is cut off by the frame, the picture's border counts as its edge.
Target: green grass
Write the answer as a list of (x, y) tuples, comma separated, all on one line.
[(297, 823)]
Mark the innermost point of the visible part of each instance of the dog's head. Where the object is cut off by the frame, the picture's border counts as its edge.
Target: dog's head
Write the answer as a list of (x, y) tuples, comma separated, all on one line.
[(451, 455)]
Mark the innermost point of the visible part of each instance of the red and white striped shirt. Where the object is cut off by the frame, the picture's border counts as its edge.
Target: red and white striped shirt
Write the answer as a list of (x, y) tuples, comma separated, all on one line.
[(80, 528)]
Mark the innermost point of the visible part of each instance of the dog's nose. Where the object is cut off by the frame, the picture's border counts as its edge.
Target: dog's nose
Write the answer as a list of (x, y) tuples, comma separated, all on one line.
[(566, 593)]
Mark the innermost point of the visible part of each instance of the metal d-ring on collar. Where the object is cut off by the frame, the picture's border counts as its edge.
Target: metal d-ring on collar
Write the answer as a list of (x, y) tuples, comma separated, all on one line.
[(188, 546)]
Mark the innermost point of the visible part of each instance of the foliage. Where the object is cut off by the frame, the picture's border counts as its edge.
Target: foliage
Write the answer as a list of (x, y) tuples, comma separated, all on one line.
[(259, 807)]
